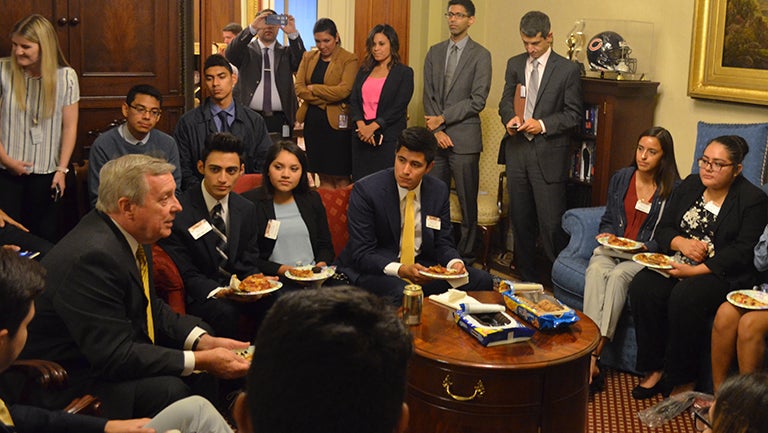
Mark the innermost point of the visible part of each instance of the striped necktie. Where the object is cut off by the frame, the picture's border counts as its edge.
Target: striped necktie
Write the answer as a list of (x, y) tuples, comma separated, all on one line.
[(144, 268), (531, 94), (222, 246)]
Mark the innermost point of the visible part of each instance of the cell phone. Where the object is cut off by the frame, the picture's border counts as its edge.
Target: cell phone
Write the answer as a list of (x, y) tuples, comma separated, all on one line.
[(514, 126), (29, 254), (56, 193), (276, 19)]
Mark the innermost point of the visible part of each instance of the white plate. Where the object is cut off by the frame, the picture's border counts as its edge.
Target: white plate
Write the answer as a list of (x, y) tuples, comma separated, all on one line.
[(443, 276), (633, 245), (276, 285), (754, 294), (638, 258), (327, 272)]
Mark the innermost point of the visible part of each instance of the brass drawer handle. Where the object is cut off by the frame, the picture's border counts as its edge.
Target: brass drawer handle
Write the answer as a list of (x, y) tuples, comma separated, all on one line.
[(479, 390)]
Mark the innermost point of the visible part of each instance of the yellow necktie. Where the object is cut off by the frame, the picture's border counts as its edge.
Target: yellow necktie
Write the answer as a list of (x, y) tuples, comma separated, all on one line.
[(144, 268), (408, 242), (5, 415)]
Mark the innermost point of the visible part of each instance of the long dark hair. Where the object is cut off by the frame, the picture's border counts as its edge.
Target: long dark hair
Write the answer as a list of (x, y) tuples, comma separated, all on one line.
[(394, 46), (291, 147), (666, 173), (741, 403)]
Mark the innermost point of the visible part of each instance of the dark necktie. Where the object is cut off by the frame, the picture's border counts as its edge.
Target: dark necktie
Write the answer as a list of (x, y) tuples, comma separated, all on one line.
[(220, 228), (267, 106), (223, 118), (450, 67)]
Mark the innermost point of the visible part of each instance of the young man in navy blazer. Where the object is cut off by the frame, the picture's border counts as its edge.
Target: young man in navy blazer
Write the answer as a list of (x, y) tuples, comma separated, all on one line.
[(194, 243), (371, 258)]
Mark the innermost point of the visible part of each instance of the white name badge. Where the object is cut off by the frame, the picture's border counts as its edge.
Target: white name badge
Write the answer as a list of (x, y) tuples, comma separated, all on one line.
[(433, 222), (643, 206), (37, 134), (199, 229), (343, 122), (273, 226), (710, 206)]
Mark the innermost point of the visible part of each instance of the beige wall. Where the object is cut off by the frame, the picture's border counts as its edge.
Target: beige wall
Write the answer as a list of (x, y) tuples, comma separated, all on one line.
[(496, 27)]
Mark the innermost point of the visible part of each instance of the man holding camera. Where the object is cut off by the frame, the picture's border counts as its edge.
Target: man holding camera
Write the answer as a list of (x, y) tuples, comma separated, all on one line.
[(265, 82)]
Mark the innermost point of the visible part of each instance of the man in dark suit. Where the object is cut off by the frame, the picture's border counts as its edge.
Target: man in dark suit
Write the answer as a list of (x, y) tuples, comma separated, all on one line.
[(277, 102), (22, 280), (536, 146), (206, 254), (457, 79), (197, 124), (100, 318), (378, 209)]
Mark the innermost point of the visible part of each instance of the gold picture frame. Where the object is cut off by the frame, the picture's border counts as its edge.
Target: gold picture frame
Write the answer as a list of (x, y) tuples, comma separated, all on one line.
[(708, 78)]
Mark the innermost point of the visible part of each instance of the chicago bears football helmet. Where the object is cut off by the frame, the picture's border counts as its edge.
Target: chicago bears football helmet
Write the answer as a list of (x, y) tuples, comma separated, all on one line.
[(608, 51)]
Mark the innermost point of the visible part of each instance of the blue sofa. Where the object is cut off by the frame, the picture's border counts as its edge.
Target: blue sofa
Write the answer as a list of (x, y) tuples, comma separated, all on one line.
[(582, 225)]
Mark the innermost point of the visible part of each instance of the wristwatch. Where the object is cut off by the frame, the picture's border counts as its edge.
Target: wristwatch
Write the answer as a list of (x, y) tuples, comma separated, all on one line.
[(64, 170)]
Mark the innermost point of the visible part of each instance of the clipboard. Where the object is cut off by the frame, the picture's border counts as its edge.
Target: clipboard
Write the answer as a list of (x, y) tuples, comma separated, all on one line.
[(519, 101)]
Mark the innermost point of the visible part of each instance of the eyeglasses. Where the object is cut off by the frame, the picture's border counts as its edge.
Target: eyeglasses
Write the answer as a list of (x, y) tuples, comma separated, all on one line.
[(701, 419), (458, 15), (142, 110), (712, 165)]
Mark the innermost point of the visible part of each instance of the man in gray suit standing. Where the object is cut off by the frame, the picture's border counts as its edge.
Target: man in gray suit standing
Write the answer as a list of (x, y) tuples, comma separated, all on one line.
[(457, 79), (536, 146)]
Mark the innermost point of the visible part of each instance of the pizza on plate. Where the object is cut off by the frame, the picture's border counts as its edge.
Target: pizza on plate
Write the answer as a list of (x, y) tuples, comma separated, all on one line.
[(254, 283), (441, 270), (653, 259), (747, 301)]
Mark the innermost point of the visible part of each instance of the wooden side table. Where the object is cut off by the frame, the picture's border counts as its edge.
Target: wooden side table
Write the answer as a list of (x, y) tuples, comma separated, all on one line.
[(457, 385)]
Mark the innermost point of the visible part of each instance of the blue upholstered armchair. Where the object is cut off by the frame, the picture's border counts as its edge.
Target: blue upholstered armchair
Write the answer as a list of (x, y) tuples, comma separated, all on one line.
[(582, 225)]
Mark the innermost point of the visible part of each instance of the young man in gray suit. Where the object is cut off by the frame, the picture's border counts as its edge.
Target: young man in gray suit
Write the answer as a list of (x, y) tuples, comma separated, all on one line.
[(457, 78), (536, 146)]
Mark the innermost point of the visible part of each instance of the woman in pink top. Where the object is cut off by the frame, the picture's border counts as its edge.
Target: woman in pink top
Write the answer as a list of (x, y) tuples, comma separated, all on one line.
[(379, 102)]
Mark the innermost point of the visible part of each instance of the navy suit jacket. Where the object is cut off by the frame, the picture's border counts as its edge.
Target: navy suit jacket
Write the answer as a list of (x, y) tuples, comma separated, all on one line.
[(91, 317), (31, 419), (374, 222), (198, 260), (558, 105)]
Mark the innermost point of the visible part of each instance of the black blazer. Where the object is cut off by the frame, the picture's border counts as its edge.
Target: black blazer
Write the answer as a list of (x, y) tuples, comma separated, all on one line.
[(198, 260), (391, 114), (312, 212), (29, 419), (738, 227), (245, 53), (92, 315)]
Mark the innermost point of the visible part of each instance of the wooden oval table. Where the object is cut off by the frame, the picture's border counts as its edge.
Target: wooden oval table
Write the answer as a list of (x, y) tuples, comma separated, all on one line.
[(457, 385)]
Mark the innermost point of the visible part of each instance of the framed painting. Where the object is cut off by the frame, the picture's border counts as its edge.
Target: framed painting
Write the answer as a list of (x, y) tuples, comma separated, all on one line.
[(729, 51)]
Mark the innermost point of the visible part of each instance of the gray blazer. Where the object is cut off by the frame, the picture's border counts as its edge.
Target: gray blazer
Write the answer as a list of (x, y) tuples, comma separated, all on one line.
[(466, 94)]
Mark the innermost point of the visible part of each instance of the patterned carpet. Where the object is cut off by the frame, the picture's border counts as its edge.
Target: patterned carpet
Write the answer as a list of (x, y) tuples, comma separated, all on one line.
[(615, 411)]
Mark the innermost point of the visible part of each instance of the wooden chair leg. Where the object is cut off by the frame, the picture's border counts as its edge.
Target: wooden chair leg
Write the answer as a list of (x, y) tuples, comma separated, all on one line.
[(487, 235)]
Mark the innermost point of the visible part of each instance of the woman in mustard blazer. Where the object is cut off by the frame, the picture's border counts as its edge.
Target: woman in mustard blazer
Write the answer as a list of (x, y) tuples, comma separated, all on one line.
[(323, 83)]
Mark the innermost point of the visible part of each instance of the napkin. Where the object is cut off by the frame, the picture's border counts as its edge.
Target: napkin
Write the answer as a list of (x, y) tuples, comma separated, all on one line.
[(454, 298), (480, 308), (213, 292)]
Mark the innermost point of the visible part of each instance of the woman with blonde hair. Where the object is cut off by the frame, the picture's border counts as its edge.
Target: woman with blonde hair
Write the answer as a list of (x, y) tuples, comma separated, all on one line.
[(39, 96)]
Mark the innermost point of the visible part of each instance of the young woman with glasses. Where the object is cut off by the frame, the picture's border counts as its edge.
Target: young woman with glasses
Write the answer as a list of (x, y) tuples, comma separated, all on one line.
[(711, 225)]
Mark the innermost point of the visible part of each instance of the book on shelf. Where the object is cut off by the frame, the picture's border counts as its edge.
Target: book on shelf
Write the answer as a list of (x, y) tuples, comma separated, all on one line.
[(583, 162), (590, 120)]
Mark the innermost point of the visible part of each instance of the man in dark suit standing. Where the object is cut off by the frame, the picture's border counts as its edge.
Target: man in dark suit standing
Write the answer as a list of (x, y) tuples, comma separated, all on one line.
[(378, 257), (266, 69), (215, 236), (536, 146), (99, 316), (457, 79)]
